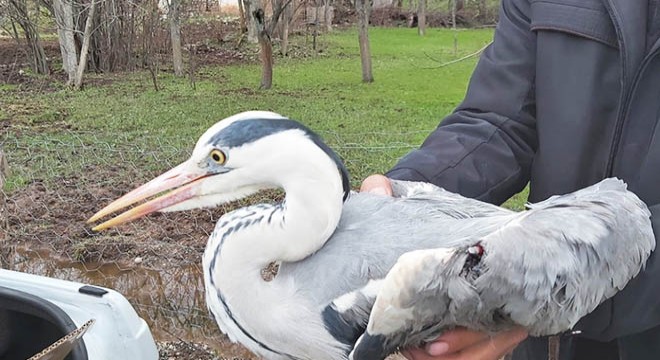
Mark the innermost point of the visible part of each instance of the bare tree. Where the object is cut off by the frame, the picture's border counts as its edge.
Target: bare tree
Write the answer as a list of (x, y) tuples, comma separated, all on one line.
[(63, 14), (174, 19), (242, 18), (363, 8), (285, 23), (265, 30), (151, 61), (126, 33), (266, 53), (421, 17), (327, 15), (250, 7), (85, 46), (19, 12)]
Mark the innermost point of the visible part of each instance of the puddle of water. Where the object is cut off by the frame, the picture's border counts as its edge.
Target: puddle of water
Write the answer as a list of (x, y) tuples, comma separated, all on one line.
[(170, 299)]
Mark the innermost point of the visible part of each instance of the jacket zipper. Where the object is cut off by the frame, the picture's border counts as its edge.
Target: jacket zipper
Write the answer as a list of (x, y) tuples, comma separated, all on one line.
[(618, 127), (623, 113)]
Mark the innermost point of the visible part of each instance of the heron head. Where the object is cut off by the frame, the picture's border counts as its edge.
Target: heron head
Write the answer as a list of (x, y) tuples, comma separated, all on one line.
[(236, 157)]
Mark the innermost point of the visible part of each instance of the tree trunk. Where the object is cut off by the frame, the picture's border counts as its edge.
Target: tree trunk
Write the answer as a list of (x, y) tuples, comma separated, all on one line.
[(284, 46), (242, 18), (363, 9), (63, 13), (85, 46), (19, 13), (251, 6), (284, 25), (174, 18), (266, 50), (39, 61), (327, 16), (266, 60), (421, 17)]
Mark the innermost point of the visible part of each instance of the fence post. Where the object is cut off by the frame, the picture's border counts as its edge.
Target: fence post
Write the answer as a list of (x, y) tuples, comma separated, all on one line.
[(4, 217)]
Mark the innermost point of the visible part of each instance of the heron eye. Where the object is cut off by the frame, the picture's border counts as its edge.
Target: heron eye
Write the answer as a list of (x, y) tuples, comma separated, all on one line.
[(218, 156)]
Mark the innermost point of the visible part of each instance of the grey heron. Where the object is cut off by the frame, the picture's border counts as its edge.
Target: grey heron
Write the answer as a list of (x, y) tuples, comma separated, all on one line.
[(380, 273)]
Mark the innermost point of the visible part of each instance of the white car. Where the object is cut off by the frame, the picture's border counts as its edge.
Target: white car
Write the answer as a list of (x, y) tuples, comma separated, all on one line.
[(36, 311)]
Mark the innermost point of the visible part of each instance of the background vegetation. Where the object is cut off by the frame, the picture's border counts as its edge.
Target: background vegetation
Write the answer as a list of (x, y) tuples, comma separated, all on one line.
[(371, 126)]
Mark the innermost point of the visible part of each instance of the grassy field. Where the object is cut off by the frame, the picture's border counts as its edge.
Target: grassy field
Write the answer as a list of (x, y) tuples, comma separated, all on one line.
[(122, 118)]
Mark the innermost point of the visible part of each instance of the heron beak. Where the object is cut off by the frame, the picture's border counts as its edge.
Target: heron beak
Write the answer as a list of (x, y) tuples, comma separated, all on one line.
[(181, 180)]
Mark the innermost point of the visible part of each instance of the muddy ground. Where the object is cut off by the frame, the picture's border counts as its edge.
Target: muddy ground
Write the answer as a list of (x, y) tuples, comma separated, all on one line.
[(154, 262)]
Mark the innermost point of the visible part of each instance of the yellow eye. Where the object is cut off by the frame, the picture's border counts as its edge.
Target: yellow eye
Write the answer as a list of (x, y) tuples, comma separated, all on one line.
[(218, 156)]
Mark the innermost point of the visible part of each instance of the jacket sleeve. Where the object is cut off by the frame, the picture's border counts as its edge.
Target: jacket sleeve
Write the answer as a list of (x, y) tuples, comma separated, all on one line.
[(484, 149)]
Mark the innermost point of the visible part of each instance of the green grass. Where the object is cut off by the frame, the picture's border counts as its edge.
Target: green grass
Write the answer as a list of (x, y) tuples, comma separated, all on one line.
[(370, 125)]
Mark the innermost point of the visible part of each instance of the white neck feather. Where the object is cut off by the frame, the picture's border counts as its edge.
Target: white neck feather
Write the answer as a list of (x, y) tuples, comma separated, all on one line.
[(287, 232), (307, 217), (298, 227)]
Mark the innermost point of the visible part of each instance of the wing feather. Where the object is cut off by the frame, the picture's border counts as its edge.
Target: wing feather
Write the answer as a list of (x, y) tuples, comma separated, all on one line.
[(544, 269)]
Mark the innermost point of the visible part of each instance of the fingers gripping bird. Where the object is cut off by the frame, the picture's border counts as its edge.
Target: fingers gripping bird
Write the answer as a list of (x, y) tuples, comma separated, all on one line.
[(361, 275)]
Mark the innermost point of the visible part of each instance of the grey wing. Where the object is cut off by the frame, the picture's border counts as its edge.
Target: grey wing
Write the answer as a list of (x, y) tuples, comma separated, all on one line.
[(375, 230), (565, 256), (543, 269), (453, 204)]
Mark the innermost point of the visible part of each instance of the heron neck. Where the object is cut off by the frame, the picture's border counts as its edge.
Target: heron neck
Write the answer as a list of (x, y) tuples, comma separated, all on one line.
[(286, 232), (311, 213), (251, 309)]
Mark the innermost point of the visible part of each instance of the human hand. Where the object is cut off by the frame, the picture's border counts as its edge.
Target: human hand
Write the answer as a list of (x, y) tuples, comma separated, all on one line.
[(377, 184), (464, 344)]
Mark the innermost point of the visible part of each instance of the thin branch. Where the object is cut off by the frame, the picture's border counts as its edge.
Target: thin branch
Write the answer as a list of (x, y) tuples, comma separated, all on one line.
[(85, 46), (277, 12), (476, 53)]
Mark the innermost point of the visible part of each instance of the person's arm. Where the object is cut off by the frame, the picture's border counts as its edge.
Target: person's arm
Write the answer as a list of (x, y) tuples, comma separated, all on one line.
[(484, 149)]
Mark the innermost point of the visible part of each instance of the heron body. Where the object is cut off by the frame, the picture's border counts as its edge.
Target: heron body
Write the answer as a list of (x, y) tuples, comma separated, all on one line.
[(362, 275)]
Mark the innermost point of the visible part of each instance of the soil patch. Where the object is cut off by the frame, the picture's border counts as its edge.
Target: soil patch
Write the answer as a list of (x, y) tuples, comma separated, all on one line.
[(53, 213), (186, 350)]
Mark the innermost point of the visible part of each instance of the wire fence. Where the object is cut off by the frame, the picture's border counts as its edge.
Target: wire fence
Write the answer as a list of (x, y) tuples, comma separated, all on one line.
[(58, 179)]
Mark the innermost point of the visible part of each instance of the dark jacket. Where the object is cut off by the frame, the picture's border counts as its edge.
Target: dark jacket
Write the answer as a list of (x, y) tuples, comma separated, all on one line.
[(567, 94)]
